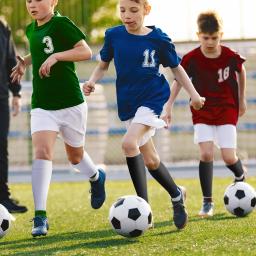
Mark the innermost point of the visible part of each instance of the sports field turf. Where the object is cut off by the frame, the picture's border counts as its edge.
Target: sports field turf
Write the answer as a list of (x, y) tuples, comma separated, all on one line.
[(76, 229)]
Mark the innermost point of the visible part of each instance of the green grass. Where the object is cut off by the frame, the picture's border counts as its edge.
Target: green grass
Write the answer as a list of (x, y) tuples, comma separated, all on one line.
[(76, 229)]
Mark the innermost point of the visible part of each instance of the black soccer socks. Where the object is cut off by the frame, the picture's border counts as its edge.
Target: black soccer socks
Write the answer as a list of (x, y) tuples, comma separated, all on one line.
[(205, 176), (237, 169), (162, 175), (137, 171)]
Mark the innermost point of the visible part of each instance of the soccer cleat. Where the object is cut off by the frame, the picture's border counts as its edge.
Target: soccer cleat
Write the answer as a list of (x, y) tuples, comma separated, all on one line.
[(180, 215), (98, 194), (12, 206), (40, 227), (206, 210)]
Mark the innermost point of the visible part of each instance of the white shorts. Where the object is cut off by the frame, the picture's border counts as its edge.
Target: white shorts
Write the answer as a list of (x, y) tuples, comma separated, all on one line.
[(223, 136), (69, 122), (146, 116)]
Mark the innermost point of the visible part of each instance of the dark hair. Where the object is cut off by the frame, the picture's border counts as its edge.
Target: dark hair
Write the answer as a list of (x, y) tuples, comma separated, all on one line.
[(209, 22)]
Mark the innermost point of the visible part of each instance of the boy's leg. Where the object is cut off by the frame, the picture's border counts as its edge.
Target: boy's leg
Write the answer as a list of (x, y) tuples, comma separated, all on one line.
[(43, 143), (5, 198), (206, 177), (81, 161), (233, 163), (159, 172), (137, 172), (227, 137), (134, 158), (205, 136)]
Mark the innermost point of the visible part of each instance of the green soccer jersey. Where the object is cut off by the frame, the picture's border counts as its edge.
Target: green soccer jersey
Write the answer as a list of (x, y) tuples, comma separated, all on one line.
[(61, 89)]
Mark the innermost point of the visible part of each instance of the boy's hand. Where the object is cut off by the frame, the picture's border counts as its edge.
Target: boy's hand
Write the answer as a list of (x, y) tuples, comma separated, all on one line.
[(19, 70), (88, 88), (45, 68), (197, 102), (167, 116)]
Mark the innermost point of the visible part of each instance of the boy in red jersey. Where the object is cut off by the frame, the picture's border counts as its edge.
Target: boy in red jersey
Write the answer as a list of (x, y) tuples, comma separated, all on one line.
[(218, 74)]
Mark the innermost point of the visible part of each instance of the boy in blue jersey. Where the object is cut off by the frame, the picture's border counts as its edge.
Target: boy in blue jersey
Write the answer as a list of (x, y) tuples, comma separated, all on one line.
[(58, 105), (141, 94)]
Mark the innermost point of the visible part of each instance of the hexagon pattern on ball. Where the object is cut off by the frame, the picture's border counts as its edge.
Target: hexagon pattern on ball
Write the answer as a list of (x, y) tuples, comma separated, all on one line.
[(130, 216), (5, 221), (240, 199)]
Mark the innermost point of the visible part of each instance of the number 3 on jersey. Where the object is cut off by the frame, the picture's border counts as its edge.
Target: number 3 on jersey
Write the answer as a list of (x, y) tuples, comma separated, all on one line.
[(49, 45), (149, 60), (223, 74)]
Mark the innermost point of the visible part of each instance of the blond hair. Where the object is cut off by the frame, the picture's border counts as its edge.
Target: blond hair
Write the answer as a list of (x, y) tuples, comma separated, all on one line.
[(209, 22), (144, 2)]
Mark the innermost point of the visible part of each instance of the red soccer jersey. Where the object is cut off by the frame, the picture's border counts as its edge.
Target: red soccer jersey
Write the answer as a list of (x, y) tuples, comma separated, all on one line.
[(216, 80)]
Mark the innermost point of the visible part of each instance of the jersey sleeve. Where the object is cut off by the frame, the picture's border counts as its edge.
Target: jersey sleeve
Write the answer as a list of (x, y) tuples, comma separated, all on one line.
[(69, 32), (107, 52), (185, 63), (239, 60), (169, 57)]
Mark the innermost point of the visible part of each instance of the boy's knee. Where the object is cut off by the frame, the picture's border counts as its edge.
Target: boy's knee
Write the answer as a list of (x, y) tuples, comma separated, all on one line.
[(75, 158), (152, 163), (207, 156), (128, 146), (43, 153), (229, 160)]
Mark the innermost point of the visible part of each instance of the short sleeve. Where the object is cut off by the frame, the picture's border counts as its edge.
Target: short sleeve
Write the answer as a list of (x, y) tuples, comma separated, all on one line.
[(69, 32), (239, 60), (107, 52), (185, 63), (169, 57)]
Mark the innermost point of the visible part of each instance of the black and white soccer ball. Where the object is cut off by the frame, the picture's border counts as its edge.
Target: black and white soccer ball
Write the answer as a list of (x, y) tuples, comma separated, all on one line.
[(5, 221), (240, 199), (130, 216)]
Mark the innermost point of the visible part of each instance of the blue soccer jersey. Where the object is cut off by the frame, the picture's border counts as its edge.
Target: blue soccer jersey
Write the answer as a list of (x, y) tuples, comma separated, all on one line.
[(137, 59)]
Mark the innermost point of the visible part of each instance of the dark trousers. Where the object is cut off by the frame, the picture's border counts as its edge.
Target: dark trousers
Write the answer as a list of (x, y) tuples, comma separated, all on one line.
[(4, 130)]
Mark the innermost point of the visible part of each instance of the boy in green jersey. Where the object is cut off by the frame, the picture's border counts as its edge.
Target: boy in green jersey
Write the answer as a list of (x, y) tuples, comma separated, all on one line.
[(58, 106)]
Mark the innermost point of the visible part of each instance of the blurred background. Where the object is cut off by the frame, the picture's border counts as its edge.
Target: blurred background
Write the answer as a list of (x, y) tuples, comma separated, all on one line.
[(104, 130)]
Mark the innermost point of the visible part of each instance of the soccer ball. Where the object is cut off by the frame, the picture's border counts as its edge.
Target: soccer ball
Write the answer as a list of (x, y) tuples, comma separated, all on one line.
[(240, 199), (130, 216), (5, 221)]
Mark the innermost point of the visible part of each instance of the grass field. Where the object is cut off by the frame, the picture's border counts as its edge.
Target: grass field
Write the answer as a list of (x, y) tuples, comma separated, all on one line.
[(76, 229)]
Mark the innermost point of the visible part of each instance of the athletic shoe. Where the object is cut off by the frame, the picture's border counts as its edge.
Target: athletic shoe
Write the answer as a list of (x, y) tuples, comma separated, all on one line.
[(13, 207), (206, 210), (98, 194), (40, 227), (180, 215)]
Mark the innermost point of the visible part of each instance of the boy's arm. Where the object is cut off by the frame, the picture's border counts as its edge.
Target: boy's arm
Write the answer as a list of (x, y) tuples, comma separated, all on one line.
[(182, 78), (167, 116), (19, 70), (27, 59), (242, 91), (176, 87), (80, 51), (96, 75)]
